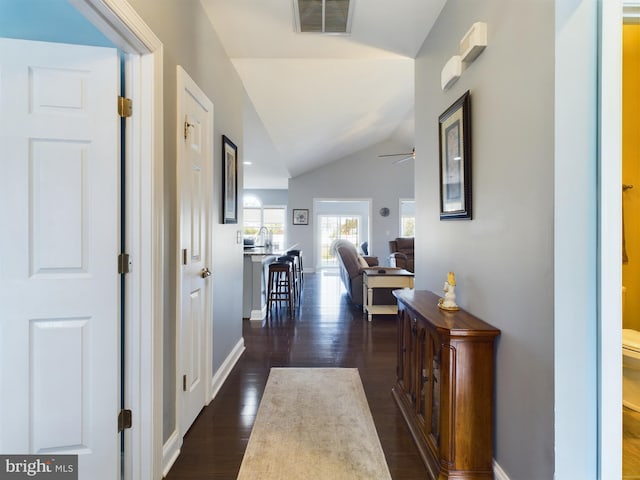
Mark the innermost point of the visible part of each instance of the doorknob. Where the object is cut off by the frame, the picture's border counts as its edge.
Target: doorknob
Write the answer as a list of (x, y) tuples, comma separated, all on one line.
[(205, 273)]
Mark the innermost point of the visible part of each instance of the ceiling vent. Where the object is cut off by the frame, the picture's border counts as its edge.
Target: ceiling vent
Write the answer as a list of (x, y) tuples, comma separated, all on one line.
[(323, 16)]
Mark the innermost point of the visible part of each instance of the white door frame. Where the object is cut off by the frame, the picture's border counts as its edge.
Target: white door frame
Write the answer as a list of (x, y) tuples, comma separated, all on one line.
[(610, 245), (119, 22), (588, 243)]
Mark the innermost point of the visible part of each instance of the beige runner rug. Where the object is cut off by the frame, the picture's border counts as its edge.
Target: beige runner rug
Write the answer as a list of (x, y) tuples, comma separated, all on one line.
[(313, 424)]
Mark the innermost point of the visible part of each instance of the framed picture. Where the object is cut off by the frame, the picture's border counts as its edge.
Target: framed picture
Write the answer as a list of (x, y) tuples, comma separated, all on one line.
[(229, 181), (454, 127), (300, 216)]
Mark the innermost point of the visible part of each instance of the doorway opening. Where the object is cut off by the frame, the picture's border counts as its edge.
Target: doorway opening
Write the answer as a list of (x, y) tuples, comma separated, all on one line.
[(630, 243), (346, 219)]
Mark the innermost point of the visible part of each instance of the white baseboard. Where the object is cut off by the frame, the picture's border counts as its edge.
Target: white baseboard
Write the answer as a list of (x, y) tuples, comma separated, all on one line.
[(171, 448), (258, 315), (225, 369), (170, 452), (498, 472)]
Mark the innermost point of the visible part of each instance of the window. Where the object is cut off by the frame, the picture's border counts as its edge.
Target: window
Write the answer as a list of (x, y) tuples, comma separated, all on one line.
[(273, 219), (252, 221), (255, 216), (333, 227), (407, 218)]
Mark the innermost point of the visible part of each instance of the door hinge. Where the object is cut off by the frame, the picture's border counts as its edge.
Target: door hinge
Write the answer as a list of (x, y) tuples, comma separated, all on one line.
[(124, 419), (184, 383), (184, 256), (124, 265), (187, 126), (124, 107)]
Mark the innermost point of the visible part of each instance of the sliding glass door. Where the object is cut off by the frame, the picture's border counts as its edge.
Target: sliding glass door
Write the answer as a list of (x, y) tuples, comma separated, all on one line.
[(333, 227)]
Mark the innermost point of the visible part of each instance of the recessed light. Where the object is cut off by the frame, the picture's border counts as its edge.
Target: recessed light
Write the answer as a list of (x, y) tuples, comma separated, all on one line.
[(247, 163)]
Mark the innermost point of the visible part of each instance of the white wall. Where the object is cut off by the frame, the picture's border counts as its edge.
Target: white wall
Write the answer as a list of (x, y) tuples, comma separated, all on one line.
[(503, 258), (359, 176), (184, 31)]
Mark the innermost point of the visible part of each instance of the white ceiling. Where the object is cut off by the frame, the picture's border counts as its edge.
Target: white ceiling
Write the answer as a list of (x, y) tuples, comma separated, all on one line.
[(318, 98)]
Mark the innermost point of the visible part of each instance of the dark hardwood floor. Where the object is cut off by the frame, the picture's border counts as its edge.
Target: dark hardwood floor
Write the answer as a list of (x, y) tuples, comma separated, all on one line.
[(327, 331)]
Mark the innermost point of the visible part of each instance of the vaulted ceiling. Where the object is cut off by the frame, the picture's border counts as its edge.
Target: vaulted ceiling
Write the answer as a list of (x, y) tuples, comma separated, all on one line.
[(317, 98)]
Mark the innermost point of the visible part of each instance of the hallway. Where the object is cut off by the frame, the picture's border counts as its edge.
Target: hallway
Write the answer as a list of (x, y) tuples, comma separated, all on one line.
[(327, 331)]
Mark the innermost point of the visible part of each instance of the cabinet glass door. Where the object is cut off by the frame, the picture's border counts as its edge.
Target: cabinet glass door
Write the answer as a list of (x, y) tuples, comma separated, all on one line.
[(435, 394), (422, 376), (435, 356), (406, 373)]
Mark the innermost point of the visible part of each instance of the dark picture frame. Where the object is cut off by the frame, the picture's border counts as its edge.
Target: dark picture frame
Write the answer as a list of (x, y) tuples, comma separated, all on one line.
[(454, 129), (301, 216), (229, 181)]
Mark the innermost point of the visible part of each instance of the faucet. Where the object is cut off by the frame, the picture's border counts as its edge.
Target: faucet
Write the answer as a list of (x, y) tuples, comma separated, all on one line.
[(263, 234)]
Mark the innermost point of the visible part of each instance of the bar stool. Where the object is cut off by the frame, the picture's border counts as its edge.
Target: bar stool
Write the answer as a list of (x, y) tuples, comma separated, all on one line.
[(290, 259), (280, 285), (298, 256)]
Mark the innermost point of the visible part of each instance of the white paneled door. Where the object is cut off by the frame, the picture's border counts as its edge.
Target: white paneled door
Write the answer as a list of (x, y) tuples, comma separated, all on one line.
[(195, 173), (59, 240)]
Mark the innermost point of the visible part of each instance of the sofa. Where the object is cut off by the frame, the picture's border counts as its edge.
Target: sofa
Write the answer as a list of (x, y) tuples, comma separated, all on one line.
[(402, 253), (351, 265)]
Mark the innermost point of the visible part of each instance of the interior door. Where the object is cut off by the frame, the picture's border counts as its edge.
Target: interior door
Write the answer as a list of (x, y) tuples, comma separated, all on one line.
[(59, 285), (195, 145)]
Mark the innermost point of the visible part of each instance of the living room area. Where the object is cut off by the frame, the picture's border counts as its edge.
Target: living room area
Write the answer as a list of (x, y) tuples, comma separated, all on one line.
[(372, 195)]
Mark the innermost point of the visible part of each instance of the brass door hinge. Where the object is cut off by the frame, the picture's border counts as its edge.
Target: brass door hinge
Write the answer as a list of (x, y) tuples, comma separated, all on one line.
[(187, 126), (124, 420), (124, 265), (124, 107)]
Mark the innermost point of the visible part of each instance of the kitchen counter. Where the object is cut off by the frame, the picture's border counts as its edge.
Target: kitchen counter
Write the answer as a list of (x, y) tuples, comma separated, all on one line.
[(255, 273), (264, 251)]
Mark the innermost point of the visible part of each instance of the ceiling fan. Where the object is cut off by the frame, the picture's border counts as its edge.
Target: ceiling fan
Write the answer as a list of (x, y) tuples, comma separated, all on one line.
[(405, 156)]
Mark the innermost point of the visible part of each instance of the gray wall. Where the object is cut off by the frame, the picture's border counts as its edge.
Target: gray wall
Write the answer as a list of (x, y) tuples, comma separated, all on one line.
[(190, 41), (503, 258), (269, 197), (360, 176)]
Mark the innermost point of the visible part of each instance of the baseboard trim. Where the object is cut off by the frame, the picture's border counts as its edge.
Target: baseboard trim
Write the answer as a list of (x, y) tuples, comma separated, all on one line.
[(258, 315), (170, 452), (225, 369), (498, 472), (171, 448)]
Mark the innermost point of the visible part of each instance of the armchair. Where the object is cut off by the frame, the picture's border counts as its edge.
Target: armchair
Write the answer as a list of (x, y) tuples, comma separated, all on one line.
[(402, 253), (351, 266)]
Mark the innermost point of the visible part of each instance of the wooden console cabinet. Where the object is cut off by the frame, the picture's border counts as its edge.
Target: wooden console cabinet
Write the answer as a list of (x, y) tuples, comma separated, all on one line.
[(445, 386)]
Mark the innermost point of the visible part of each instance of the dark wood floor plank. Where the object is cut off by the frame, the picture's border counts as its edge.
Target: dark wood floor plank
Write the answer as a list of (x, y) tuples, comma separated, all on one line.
[(327, 331)]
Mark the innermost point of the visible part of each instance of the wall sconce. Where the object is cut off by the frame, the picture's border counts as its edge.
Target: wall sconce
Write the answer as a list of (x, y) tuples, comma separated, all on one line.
[(471, 45), (451, 72), (473, 42)]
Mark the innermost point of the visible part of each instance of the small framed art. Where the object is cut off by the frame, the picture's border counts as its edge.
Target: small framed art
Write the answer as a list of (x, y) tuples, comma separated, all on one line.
[(300, 216)]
